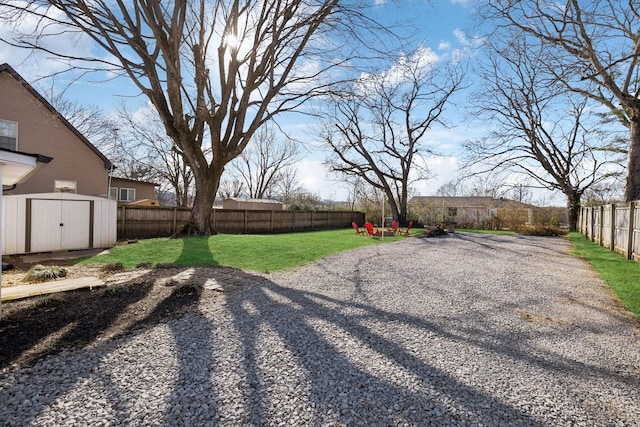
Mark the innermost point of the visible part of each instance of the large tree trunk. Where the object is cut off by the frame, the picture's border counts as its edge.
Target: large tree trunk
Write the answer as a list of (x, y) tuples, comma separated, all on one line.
[(632, 188), (207, 180), (573, 206)]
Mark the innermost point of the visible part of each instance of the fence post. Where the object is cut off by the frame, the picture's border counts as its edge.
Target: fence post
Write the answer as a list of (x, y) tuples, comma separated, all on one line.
[(174, 226), (245, 222), (272, 222), (613, 227), (124, 222), (601, 225), (632, 214), (593, 224)]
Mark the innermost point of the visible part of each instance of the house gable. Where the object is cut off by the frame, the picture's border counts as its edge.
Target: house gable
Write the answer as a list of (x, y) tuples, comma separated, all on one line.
[(41, 129)]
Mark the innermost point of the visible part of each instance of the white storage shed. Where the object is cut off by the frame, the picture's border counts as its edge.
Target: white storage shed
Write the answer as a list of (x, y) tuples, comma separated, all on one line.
[(49, 222)]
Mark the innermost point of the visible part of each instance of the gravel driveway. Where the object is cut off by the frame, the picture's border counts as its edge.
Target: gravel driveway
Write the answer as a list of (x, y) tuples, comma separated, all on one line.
[(460, 330)]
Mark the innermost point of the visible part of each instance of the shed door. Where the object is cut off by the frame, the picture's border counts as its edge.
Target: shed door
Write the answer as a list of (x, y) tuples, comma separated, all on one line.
[(59, 225), (76, 217)]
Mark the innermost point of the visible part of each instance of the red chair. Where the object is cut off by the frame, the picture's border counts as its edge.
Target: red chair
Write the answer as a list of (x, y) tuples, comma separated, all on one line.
[(359, 230), (394, 227), (372, 233), (406, 233)]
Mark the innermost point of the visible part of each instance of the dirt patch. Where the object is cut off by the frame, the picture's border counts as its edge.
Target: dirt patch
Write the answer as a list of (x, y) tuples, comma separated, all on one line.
[(16, 275), (39, 326), (539, 318)]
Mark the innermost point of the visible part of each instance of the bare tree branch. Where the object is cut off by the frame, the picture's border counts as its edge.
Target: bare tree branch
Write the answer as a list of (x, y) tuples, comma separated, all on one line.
[(376, 126), (214, 70)]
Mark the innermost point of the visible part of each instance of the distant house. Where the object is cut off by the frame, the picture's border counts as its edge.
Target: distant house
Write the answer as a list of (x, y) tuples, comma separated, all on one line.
[(471, 212), (30, 124), (129, 191), (252, 204)]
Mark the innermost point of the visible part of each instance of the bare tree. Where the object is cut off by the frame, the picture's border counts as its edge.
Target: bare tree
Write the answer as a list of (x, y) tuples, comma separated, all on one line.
[(540, 129), (485, 185), (147, 153), (452, 188), (89, 120), (260, 166), (520, 191), (288, 186), (304, 201), (376, 127), (593, 48), (230, 187), (214, 70)]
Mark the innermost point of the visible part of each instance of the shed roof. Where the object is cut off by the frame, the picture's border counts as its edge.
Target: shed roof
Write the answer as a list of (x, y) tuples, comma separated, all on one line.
[(239, 199)]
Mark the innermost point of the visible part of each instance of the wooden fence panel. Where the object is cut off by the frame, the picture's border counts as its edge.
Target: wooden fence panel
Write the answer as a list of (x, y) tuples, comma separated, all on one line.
[(619, 227), (634, 246), (141, 222), (607, 226)]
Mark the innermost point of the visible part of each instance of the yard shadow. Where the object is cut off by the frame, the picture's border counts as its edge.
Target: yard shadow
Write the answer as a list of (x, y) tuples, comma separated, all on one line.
[(270, 335), (88, 320), (35, 328), (196, 251)]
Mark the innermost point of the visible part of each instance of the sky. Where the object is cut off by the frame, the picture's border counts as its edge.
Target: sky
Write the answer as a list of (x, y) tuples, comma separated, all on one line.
[(440, 26)]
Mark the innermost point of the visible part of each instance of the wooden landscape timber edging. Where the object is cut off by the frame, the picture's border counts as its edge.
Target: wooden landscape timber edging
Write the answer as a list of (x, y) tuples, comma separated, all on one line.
[(143, 222), (614, 226)]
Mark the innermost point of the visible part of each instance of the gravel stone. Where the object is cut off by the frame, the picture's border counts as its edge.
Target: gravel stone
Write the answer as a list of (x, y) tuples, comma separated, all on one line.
[(460, 330)]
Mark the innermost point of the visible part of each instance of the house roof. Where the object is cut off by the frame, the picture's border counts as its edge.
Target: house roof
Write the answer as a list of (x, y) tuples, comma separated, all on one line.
[(135, 181), (465, 201), (238, 199), (6, 68)]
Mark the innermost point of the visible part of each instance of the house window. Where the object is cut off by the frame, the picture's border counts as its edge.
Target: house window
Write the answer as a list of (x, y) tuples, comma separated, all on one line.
[(8, 135), (63, 186), (113, 193), (127, 194)]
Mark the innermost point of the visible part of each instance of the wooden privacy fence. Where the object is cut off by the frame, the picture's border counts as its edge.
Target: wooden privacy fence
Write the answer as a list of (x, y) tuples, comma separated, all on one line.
[(614, 226), (142, 222)]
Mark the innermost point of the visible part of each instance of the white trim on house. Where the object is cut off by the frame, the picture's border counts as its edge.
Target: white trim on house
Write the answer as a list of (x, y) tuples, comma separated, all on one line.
[(131, 195)]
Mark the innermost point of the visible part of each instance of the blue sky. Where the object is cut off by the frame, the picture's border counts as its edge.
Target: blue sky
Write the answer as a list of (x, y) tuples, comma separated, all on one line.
[(441, 25)]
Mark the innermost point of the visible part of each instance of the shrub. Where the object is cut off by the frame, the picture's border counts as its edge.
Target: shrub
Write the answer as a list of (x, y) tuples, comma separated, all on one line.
[(542, 230), (186, 288), (116, 291), (112, 267), (50, 300), (43, 273), (144, 265)]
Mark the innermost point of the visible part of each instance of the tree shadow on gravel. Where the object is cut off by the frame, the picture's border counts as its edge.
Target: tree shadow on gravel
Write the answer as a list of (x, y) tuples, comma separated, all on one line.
[(85, 321), (346, 391), (269, 335)]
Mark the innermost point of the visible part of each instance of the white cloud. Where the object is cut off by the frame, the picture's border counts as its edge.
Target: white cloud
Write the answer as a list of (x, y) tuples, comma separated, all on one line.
[(402, 71), (444, 45), (442, 169), (316, 179)]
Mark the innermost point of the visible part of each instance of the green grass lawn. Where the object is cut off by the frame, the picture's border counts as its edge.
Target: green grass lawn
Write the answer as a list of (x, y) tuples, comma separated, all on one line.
[(260, 253), (622, 275)]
